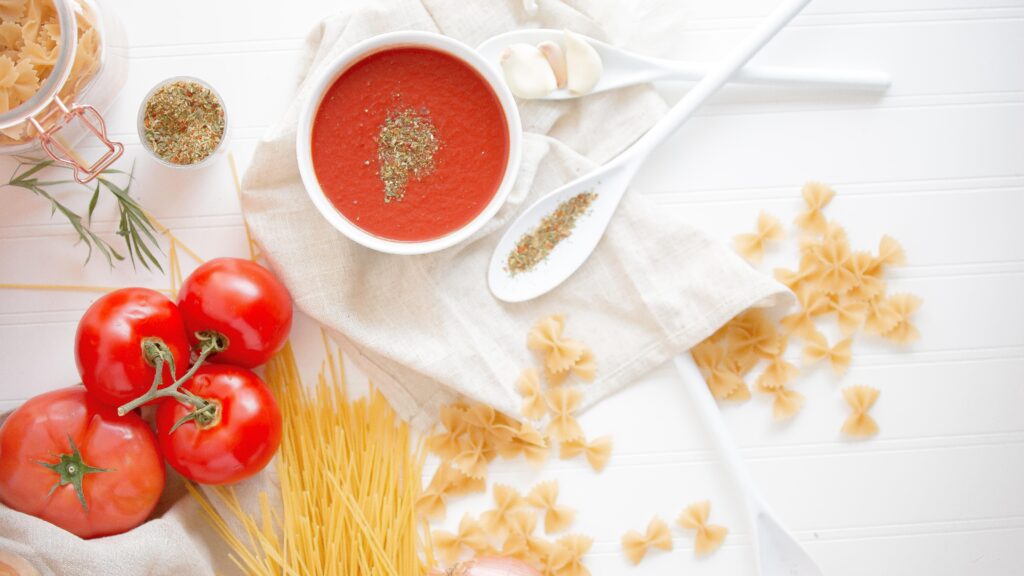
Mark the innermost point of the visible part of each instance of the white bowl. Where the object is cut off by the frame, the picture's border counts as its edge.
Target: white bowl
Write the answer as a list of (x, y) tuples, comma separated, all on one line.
[(333, 70)]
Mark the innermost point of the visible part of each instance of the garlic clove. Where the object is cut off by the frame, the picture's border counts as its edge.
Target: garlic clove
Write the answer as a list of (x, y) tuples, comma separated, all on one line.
[(582, 63), (556, 59), (527, 71)]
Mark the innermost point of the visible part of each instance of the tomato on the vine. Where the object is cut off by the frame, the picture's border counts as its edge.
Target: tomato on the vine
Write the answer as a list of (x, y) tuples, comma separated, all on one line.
[(242, 302), (122, 337), (231, 440), (71, 460)]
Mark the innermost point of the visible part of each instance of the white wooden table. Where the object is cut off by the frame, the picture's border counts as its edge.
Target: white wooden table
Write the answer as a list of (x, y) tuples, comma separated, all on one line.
[(938, 163)]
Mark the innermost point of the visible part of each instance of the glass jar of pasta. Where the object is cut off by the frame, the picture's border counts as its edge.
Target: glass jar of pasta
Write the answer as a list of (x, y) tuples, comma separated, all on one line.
[(62, 63)]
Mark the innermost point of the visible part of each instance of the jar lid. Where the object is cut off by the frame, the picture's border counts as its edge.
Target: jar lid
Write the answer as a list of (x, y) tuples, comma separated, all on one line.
[(50, 87)]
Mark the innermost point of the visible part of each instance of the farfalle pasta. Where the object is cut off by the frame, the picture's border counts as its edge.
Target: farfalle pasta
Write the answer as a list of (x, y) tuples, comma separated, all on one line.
[(29, 48), (527, 442), (903, 305), (559, 353), (562, 403), (816, 197), (708, 536), (723, 377), (817, 348), (860, 399), (528, 387), (635, 545), (850, 312), (507, 500), (751, 245), (812, 302), (785, 403), (778, 373), (567, 556), (521, 543), (596, 452), (544, 497), (469, 536)]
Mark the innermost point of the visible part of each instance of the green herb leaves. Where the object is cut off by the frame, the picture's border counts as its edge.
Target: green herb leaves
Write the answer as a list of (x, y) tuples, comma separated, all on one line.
[(134, 226)]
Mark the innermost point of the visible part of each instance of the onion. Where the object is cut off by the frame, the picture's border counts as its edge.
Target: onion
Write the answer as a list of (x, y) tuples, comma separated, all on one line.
[(492, 566)]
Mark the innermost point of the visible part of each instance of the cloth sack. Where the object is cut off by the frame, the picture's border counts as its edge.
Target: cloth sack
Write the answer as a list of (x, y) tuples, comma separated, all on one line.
[(426, 328)]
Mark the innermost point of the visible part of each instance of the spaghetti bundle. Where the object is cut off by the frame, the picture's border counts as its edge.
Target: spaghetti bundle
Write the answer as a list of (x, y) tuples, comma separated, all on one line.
[(350, 477)]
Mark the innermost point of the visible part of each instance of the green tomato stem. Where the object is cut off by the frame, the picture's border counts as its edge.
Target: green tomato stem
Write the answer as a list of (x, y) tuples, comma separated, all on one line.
[(71, 469), (211, 343)]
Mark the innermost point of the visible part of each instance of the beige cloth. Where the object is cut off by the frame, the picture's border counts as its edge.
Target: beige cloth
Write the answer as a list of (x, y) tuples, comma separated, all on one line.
[(426, 327)]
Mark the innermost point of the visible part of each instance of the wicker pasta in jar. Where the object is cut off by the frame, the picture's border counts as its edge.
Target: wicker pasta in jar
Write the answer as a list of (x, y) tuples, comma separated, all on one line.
[(62, 63)]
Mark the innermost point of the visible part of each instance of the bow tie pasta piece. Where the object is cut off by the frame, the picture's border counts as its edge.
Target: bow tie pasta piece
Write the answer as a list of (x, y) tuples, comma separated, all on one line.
[(475, 454), (816, 348), (506, 501), (559, 353), (850, 312), (597, 452), (709, 536), (776, 375), (521, 543), (584, 368), (833, 254), (882, 317), (904, 305), (786, 403), (816, 197), (812, 303), (751, 245), (860, 398), (544, 497), (567, 556), (528, 387), (635, 544), (528, 442), (868, 280), (890, 253), (470, 535), (752, 334), (563, 402), (722, 377), (446, 443)]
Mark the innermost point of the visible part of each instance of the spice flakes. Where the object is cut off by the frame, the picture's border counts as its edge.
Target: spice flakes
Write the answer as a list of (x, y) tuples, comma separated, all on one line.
[(406, 146), (534, 246), (183, 122)]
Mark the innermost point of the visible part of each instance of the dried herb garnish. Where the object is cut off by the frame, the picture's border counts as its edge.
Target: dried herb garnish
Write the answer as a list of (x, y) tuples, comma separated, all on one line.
[(183, 122), (406, 145), (534, 246)]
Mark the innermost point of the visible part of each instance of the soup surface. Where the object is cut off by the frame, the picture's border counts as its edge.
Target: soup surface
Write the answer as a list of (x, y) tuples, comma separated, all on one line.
[(410, 144)]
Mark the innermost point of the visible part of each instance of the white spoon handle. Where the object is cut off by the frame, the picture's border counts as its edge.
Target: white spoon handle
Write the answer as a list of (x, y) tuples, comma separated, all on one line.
[(782, 76), (716, 78), (712, 416)]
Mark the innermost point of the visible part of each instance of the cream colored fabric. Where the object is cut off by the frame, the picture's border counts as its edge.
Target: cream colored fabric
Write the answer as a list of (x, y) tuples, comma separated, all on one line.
[(426, 327)]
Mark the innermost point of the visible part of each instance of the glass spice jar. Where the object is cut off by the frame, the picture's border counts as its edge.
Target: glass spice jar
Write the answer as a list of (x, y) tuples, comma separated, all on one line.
[(210, 151), (88, 70)]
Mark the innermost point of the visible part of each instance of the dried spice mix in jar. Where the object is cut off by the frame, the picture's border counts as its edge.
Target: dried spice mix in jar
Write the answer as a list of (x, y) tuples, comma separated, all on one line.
[(182, 122)]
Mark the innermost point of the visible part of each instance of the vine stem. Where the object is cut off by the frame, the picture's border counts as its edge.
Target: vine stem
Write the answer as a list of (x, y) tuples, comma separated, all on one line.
[(211, 343)]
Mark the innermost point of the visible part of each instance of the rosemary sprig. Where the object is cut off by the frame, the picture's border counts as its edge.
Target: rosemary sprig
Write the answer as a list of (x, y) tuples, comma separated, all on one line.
[(134, 226)]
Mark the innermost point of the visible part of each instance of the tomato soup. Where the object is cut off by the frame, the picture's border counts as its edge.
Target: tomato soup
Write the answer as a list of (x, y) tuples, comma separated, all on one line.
[(410, 144)]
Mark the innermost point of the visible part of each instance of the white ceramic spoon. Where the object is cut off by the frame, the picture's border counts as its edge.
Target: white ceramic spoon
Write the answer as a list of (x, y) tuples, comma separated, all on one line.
[(611, 180), (777, 552), (623, 68)]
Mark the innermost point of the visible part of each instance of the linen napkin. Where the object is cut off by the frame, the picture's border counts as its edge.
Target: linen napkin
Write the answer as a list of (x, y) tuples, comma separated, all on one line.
[(426, 328)]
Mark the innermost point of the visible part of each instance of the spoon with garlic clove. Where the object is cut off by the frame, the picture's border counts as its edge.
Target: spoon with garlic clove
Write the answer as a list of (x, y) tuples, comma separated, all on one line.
[(622, 68), (605, 186)]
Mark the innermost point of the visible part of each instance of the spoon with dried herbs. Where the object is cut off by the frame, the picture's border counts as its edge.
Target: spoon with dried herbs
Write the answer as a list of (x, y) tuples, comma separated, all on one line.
[(551, 239)]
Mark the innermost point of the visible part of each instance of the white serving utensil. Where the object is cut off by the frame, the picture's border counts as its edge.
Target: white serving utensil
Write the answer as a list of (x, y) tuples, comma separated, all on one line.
[(777, 552), (623, 68), (611, 180)]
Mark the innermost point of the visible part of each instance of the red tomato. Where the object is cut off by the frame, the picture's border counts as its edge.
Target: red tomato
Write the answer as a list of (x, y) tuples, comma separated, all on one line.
[(72, 461), (242, 301), (109, 343), (242, 436)]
